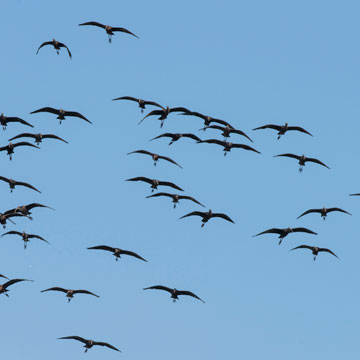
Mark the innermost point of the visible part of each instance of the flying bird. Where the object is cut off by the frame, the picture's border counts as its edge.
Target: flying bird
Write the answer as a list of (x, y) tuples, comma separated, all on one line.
[(56, 44), (4, 120), (285, 232), (25, 209), (155, 157), (206, 216), (282, 129), (10, 147), (207, 119), (38, 137), (70, 293), (12, 183), (176, 198), (164, 113), (174, 292), (142, 103), (315, 250), (177, 136), (25, 237), (302, 160), (226, 131), (6, 216), (109, 29), (61, 113), (3, 287), (323, 212), (155, 183), (89, 343), (228, 145), (116, 252)]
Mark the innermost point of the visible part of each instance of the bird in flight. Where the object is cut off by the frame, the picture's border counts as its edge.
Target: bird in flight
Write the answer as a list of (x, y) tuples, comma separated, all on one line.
[(12, 183), (206, 216), (174, 292), (315, 250), (207, 119), (228, 145), (70, 293), (25, 237), (6, 216), (38, 137), (175, 198), (10, 147), (142, 103), (56, 44), (226, 131), (323, 212), (285, 232), (4, 120), (109, 29), (89, 343), (3, 287), (155, 183), (155, 157), (302, 160), (24, 210), (116, 252), (282, 129), (61, 113), (176, 136), (164, 113)]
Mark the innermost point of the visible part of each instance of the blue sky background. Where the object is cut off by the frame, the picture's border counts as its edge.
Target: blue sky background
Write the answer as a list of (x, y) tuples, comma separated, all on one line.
[(250, 63)]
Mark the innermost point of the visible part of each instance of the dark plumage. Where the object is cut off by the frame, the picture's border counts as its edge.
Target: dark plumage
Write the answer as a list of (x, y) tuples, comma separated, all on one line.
[(25, 209), (116, 252), (61, 113), (164, 113), (3, 276), (25, 237), (302, 160), (56, 44), (38, 137), (207, 119), (10, 147), (6, 216), (70, 293), (282, 129), (109, 29), (4, 120), (176, 198), (285, 232), (315, 250), (12, 183), (228, 146), (142, 103), (3, 287), (155, 183), (89, 343), (324, 211), (174, 292), (155, 157), (206, 216), (176, 136), (226, 131)]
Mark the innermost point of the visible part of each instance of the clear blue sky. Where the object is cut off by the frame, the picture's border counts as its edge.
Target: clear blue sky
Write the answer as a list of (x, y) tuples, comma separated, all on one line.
[(250, 63)]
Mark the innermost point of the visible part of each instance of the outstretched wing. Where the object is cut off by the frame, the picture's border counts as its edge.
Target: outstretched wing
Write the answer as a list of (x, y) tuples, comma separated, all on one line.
[(106, 344), (140, 178), (141, 152), (305, 230), (151, 113), (17, 119), (46, 109), (245, 147), (124, 31), (131, 253), (271, 231), (63, 45), (76, 114), (164, 135), (269, 126), (13, 281), (12, 232), (3, 178), (44, 44), (239, 132), (52, 136), (191, 136), (185, 197), (338, 209), (33, 205), (316, 161), (329, 251), (193, 213), (223, 216), (189, 293), (179, 109), (160, 194), (298, 128), (289, 155), (102, 247), (20, 183), (170, 184), (85, 292), (23, 135), (303, 247), (56, 288), (78, 338), (93, 23), (24, 143), (159, 287), (170, 160), (214, 141), (309, 211)]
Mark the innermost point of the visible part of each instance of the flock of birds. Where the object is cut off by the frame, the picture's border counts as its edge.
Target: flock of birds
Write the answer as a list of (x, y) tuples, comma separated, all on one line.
[(223, 127)]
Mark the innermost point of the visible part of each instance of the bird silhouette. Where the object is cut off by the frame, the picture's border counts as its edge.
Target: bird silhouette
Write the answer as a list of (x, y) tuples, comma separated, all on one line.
[(155, 183), (116, 251), (38, 137), (285, 232), (25, 236), (226, 131), (142, 103), (323, 211), (12, 183), (282, 129), (25, 209), (7, 216), (90, 343), (57, 46), (10, 147), (164, 113), (302, 160), (155, 157), (315, 250), (174, 292), (3, 287), (206, 216), (61, 113), (70, 293), (228, 145), (208, 120), (177, 136), (175, 198), (4, 120)]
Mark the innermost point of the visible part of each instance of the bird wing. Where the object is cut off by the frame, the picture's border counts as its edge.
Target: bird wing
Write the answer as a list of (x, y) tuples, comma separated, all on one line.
[(358, 194), (298, 128), (303, 247), (124, 31), (3, 276), (46, 109), (12, 232), (164, 135), (289, 155), (189, 293), (271, 231), (141, 152), (93, 23), (167, 183), (140, 178), (44, 44), (239, 132), (338, 209), (23, 135), (13, 281), (193, 213), (309, 211), (56, 288), (329, 251), (214, 141), (191, 136), (3, 178), (245, 147), (102, 247), (179, 109), (146, 102), (151, 113), (131, 253), (159, 287), (190, 198), (160, 194), (20, 183), (78, 338), (316, 161), (17, 119), (223, 216), (269, 126), (33, 205), (85, 292), (106, 344), (76, 114), (170, 160), (52, 136), (24, 143), (30, 236), (63, 45), (305, 230)]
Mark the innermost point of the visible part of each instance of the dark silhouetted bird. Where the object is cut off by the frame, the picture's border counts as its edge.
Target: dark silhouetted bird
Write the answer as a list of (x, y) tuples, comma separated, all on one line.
[(164, 113), (315, 250), (206, 216), (70, 293), (116, 251), (285, 232), (89, 343), (6, 216), (142, 103), (12, 183), (228, 145), (176, 198), (226, 131), (25, 237), (207, 119), (38, 137), (282, 129), (61, 113), (174, 292), (302, 160), (155, 157), (324, 211), (3, 287), (155, 183), (25, 209), (176, 136), (109, 29), (56, 44), (4, 120), (10, 147)]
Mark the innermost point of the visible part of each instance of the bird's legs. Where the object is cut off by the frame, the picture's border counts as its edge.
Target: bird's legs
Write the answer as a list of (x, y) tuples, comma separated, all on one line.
[(301, 168), (4, 127), (6, 294), (109, 37), (162, 123), (10, 156), (280, 241), (314, 257), (57, 51), (171, 142), (25, 244), (174, 204)]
